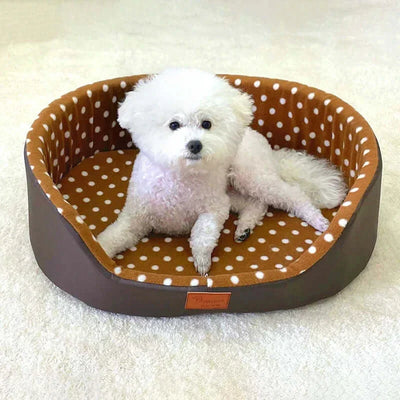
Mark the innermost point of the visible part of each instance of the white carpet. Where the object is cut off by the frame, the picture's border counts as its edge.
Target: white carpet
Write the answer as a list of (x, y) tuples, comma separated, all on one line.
[(52, 346)]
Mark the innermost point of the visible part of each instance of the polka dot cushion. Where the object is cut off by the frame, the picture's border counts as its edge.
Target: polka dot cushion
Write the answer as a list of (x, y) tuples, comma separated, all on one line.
[(82, 161)]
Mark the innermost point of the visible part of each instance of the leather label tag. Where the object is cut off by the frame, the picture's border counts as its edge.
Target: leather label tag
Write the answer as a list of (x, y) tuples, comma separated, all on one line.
[(207, 300)]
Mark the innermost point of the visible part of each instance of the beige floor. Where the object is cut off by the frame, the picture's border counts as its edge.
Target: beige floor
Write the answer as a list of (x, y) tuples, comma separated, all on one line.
[(54, 347)]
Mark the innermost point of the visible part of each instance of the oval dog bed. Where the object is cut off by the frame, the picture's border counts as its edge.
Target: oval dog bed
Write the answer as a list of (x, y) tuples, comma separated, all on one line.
[(78, 163)]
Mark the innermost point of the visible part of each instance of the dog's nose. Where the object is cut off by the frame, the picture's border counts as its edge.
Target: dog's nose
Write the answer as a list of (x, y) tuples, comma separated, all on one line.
[(194, 146)]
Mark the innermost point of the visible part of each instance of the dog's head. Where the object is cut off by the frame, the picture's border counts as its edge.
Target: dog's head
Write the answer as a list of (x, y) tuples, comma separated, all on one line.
[(186, 118)]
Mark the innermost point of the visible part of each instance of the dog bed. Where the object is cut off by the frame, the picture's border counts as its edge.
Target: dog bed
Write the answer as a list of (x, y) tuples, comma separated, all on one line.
[(78, 163)]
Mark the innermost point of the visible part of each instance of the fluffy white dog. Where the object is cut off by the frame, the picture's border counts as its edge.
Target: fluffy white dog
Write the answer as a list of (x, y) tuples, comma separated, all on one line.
[(199, 159)]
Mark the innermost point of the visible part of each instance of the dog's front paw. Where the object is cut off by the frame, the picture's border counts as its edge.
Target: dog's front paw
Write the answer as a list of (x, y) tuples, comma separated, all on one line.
[(107, 244), (202, 263), (319, 222)]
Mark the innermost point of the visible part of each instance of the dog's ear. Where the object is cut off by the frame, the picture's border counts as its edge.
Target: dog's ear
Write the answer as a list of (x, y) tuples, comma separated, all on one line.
[(242, 104), (129, 109), (126, 111)]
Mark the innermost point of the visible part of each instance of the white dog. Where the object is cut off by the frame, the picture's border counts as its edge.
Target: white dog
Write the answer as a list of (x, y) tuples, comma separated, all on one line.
[(199, 159)]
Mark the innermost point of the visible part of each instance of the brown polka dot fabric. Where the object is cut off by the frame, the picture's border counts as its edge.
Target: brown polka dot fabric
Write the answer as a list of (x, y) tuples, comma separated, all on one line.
[(82, 160)]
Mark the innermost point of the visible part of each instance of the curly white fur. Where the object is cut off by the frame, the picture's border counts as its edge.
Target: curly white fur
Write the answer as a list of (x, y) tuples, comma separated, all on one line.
[(174, 191)]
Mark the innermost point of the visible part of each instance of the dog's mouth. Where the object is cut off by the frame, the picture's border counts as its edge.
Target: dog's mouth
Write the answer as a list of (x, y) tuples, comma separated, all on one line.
[(193, 157)]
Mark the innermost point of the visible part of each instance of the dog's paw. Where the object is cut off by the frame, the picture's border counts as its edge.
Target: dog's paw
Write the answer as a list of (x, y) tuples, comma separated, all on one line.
[(319, 222), (202, 264), (241, 235), (106, 244)]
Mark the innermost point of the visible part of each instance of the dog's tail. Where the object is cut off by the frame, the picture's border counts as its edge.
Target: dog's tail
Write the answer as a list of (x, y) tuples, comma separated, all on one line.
[(321, 181)]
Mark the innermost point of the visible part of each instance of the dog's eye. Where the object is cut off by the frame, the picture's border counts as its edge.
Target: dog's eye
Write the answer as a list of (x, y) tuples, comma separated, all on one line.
[(174, 125), (206, 124)]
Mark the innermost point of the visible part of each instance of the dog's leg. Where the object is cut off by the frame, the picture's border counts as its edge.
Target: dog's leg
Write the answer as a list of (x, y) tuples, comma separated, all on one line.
[(131, 225), (292, 199), (250, 210), (204, 237)]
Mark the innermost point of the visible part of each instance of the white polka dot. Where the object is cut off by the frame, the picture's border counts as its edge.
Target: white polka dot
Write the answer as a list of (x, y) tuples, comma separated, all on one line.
[(263, 98), (311, 95), (89, 93), (251, 249), (141, 278), (294, 90), (167, 240), (227, 249), (234, 279), (123, 84), (117, 270), (361, 176), (282, 100), (327, 143), (287, 138), (92, 227), (121, 194), (346, 203), (194, 282), (156, 249), (239, 258), (279, 124), (363, 140), (167, 281), (285, 241), (272, 111), (305, 120), (316, 111), (155, 267), (79, 219), (104, 177), (299, 249), (257, 84), (289, 258), (259, 274), (86, 200), (179, 268), (179, 248), (260, 122), (312, 135), (238, 82), (104, 219), (99, 193), (296, 129), (264, 258), (295, 232), (131, 266), (337, 152), (339, 110), (279, 266), (254, 266), (167, 258), (261, 240), (354, 190), (328, 237), (343, 222), (312, 249), (269, 135), (275, 249), (143, 258), (97, 104), (229, 268), (299, 105), (365, 152), (105, 88), (79, 190)]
